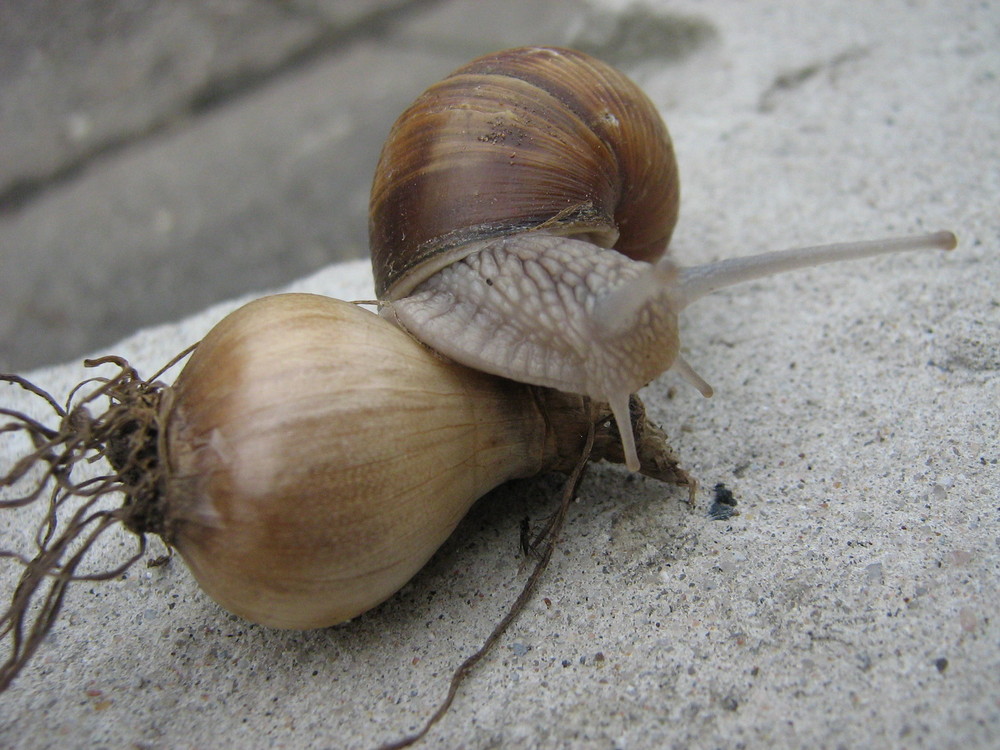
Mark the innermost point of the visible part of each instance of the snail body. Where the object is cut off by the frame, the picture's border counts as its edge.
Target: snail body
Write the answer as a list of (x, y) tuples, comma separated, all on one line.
[(519, 220)]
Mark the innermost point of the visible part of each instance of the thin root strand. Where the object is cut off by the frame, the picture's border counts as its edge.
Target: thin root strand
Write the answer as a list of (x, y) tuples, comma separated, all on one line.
[(127, 434), (550, 535)]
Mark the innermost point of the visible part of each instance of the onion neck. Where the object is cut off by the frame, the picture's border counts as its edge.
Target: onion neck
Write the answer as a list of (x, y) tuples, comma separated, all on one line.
[(567, 417)]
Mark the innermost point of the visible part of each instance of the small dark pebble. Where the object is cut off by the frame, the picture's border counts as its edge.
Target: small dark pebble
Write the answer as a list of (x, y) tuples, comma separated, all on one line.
[(941, 664), (724, 504), (730, 703), (724, 495)]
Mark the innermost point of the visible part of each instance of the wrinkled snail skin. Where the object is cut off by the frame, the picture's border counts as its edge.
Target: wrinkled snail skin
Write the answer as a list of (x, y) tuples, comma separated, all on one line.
[(318, 456), (519, 218)]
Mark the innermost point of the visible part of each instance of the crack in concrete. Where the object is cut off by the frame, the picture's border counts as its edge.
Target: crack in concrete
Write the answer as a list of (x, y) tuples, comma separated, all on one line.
[(793, 79)]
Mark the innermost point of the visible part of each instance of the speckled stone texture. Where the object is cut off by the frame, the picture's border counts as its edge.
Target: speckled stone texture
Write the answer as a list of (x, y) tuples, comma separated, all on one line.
[(853, 601)]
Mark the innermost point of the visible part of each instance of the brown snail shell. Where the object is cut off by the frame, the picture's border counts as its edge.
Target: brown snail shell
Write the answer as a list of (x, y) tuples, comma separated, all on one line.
[(513, 141)]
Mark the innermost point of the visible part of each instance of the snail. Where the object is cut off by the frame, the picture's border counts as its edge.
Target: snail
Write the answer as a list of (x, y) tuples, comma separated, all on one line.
[(519, 219)]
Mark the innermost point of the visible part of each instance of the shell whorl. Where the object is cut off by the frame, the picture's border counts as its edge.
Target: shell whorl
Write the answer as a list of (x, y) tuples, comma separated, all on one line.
[(525, 139)]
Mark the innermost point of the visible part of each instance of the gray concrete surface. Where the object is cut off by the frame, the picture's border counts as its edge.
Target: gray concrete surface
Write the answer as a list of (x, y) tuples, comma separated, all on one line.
[(852, 604), (179, 154), (80, 79)]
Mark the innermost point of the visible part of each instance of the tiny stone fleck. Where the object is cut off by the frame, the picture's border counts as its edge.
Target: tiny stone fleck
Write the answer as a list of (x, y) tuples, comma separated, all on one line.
[(873, 572), (967, 619)]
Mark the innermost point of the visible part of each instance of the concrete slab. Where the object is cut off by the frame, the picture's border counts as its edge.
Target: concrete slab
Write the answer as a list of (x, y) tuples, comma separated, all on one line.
[(79, 79), (248, 197), (851, 604)]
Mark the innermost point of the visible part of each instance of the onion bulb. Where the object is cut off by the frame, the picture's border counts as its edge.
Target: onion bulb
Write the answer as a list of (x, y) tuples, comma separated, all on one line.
[(308, 460), (318, 456)]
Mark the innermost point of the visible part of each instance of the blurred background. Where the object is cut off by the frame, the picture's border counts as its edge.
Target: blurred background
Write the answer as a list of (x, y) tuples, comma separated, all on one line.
[(158, 157)]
